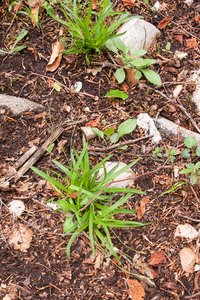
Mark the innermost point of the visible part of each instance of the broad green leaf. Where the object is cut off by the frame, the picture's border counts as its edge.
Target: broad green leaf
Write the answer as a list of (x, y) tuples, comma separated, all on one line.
[(190, 142), (98, 132), (190, 166), (198, 151), (168, 46), (109, 131), (22, 34), (138, 74), (68, 224), (123, 147), (185, 171), (152, 76), (64, 205), (197, 165), (110, 45), (127, 127), (120, 75), (186, 153), (140, 52), (114, 138), (117, 94), (194, 178), (17, 49), (119, 44), (50, 148)]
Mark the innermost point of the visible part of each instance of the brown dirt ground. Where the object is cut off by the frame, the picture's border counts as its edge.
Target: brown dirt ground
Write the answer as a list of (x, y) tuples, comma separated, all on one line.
[(44, 272)]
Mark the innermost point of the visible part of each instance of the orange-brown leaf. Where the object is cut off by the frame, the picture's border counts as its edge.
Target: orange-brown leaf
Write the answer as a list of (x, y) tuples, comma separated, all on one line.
[(93, 123), (141, 208), (157, 258), (73, 195), (56, 57), (163, 23), (179, 38), (191, 43), (94, 5), (135, 289), (129, 3)]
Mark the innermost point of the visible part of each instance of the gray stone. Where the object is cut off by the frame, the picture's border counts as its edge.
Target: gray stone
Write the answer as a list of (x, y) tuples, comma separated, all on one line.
[(89, 133), (169, 127), (18, 105), (145, 122), (195, 77), (139, 35)]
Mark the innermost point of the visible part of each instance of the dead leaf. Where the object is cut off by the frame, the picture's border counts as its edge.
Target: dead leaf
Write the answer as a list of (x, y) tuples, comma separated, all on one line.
[(33, 3), (98, 261), (66, 108), (186, 231), (8, 171), (197, 19), (147, 270), (162, 24), (17, 7), (135, 289), (157, 258), (69, 58), (191, 43), (171, 107), (179, 38), (188, 257), (61, 145), (20, 237), (93, 123), (34, 142), (131, 76), (73, 195), (55, 58), (94, 5), (129, 3), (171, 70), (119, 61), (141, 208), (197, 281), (170, 285)]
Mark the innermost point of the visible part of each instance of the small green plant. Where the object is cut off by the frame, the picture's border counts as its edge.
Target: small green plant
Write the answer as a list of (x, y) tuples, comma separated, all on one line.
[(117, 94), (90, 203), (170, 154), (89, 33), (174, 188), (194, 170), (117, 46), (15, 49), (124, 128), (167, 48), (190, 143)]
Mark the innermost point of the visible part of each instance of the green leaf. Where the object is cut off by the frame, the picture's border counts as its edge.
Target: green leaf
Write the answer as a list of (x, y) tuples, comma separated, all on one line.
[(98, 132), (110, 45), (64, 205), (197, 165), (50, 148), (186, 153), (117, 94), (109, 131), (123, 147), (119, 44), (114, 138), (198, 151), (120, 75), (127, 127), (190, 166), (194, 178), (57, 86), (185, 171), (152, 76), (68, 224), (190, 142), (140, 52), (138, 74), (168, 46)]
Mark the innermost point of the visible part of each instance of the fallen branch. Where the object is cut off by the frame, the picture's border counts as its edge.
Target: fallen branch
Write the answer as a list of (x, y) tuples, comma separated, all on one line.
[(119, 144)]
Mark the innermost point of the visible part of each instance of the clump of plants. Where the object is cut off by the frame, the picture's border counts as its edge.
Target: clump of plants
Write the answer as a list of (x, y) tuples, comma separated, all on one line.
[(90, 204)]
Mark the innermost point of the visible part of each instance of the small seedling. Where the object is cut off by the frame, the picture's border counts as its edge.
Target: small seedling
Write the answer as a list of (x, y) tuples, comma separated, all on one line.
[(194, 170), (124, 128), (15, 49), (157, 154), (117, 46), (117, 94), (169, 153), (190, 143), (167, 48), (173, 189)]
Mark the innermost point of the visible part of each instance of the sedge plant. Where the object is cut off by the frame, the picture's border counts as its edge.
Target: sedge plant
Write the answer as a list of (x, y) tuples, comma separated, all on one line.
[(90, 204), (89, 32)]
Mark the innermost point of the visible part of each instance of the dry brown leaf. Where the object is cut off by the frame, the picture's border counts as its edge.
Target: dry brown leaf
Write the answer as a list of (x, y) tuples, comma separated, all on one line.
[(73, 195), (69, 58), (179, 38), (55, 58), (129, 3), (135, 289), (188, 257), (141, 208), (98, 261), (186, 231), (94, 5), (162, 24), (61, 146), (191, 43), (93, 123), (20, 237), (171, 107), (33, 3), (157, 258)]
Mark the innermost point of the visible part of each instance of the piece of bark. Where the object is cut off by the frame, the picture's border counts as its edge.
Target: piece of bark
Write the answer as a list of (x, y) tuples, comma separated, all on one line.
[(25, 156), (58, 131)]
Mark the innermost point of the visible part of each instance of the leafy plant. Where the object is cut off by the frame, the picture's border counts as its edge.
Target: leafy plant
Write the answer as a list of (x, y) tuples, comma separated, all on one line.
[(167, 48), (117, 94), (90, 203), (124, 128), (157, 154), (117, 46), (174, 187), (190, 143), (88, 33), (15, 49), (194, 170), (169, 153)]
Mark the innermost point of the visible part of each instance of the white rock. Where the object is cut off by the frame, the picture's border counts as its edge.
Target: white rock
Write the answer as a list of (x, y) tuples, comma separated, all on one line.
[(109, 165), (78, 86), (16, 207), (139, 35), (89, 133), (176, 171), (186, 231), (195, 77), (177, 90), (169, 127), (180, 54), (145, 122)]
